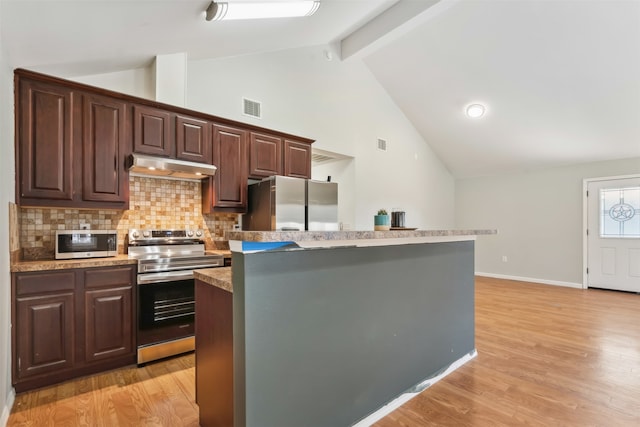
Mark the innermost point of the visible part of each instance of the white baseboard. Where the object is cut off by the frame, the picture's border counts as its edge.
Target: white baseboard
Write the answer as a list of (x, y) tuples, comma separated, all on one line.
[(531, 279), (410, 394), (7, 407)]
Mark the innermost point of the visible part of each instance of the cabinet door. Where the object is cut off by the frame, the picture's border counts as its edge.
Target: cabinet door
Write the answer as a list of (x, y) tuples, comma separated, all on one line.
[(45, 337), (109, 313), (152, 131), (193, 141), (44, 333), (265, 157), (44, 141), (104, 143), (228, 188), (297, 159), (108, 327)]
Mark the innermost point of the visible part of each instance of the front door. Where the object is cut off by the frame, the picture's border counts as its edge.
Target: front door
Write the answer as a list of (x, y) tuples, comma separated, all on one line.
[(613, 247)]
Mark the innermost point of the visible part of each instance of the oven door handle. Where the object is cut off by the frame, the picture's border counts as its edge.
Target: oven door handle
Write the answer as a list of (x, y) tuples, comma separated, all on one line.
[(154, 267), (150, 278)]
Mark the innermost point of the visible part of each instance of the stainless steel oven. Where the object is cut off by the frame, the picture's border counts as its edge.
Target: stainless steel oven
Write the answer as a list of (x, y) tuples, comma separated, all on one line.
[(166, 306)]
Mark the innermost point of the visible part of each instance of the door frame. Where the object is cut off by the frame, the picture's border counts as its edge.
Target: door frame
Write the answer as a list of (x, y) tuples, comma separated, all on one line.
[(585, 219)]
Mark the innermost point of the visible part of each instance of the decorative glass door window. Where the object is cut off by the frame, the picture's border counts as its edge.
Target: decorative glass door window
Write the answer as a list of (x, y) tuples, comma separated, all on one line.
[(620, 212)]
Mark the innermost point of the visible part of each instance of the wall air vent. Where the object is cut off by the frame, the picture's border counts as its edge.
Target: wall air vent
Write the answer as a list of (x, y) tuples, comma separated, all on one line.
[(382, 144), (252, 108)]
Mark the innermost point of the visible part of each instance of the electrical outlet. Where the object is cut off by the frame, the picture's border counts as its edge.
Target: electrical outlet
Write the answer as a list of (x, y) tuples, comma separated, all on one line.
[(504, 258)]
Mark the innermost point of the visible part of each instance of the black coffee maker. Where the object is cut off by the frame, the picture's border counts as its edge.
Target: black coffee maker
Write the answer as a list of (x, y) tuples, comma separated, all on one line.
[(397, 219)]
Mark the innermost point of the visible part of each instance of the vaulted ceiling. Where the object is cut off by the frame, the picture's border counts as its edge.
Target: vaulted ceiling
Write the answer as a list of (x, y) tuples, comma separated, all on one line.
[(560, 79)]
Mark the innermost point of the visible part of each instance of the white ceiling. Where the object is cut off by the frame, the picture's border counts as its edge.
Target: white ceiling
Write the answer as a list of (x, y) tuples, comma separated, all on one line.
[(561, 79), (82, 37)]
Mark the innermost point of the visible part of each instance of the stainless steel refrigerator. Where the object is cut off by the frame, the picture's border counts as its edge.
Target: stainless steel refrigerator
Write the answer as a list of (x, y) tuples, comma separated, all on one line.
[(291, 204), (322, 206)]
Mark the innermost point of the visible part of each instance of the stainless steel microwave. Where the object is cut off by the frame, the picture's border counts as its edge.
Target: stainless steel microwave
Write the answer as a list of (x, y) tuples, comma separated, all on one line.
[(86, 243)]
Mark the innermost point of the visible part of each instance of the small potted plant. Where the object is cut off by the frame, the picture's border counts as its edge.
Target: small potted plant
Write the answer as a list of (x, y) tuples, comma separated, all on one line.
[(381, 221)]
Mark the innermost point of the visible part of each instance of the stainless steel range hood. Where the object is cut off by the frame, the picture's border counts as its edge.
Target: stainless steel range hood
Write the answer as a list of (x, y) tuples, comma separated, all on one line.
[(161, 167)]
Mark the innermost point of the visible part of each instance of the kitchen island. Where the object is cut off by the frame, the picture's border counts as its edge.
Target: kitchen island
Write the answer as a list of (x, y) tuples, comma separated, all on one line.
[(319, 329)]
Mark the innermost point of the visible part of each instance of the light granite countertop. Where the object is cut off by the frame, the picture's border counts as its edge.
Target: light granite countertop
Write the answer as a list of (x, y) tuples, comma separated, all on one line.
[(62, 264), (299, 236), (327, 239), (219, 277)]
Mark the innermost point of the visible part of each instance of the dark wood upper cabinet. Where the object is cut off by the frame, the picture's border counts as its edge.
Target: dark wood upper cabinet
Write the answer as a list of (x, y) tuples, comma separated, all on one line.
[(104, 143), (265, 155), (44, 141), (227, 190), (193, 140), (72, 142), (297, 159), (70, 147), (152, 131)]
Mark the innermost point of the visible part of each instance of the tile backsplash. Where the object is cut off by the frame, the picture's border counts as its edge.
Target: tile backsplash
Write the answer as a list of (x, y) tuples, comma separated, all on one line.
[(154, 203)]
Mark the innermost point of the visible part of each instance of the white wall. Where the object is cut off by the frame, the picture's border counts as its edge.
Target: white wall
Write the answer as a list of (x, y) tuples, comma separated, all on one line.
[(343, 108), (171, 78), (538, 215), (7, 177), (137, 82)]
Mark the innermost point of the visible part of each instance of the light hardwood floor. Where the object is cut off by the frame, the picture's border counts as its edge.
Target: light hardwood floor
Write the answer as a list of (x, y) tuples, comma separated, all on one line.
[(547, 356)]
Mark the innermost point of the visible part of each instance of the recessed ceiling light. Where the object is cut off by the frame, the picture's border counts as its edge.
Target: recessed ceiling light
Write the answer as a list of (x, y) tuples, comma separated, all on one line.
[(255, 10), (475, 111)]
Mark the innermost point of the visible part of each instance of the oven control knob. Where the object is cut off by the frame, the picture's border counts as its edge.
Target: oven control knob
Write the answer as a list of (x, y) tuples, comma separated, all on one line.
[(146, 233), (199, 233), (190, 233), (135, 234)]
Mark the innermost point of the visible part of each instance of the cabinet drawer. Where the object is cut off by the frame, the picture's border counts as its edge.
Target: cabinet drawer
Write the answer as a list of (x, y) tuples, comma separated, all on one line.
[(45, 281), (112, 276)]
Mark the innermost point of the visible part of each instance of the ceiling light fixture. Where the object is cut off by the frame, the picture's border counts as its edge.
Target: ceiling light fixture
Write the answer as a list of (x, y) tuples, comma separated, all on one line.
[(256, 10), (475, 111)]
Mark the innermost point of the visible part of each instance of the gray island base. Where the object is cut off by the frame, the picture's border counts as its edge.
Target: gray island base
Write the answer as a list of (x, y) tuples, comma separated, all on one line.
[(327, 336)]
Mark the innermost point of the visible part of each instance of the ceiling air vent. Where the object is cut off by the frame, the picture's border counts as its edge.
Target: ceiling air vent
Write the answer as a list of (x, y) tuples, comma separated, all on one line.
[(252, 108), (382, 144), (321, 158)]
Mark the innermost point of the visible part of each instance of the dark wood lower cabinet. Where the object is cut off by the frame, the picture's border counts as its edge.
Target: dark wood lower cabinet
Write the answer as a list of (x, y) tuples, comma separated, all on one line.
[(108, 323), (46, 341), (68, 323), (214, 355)]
